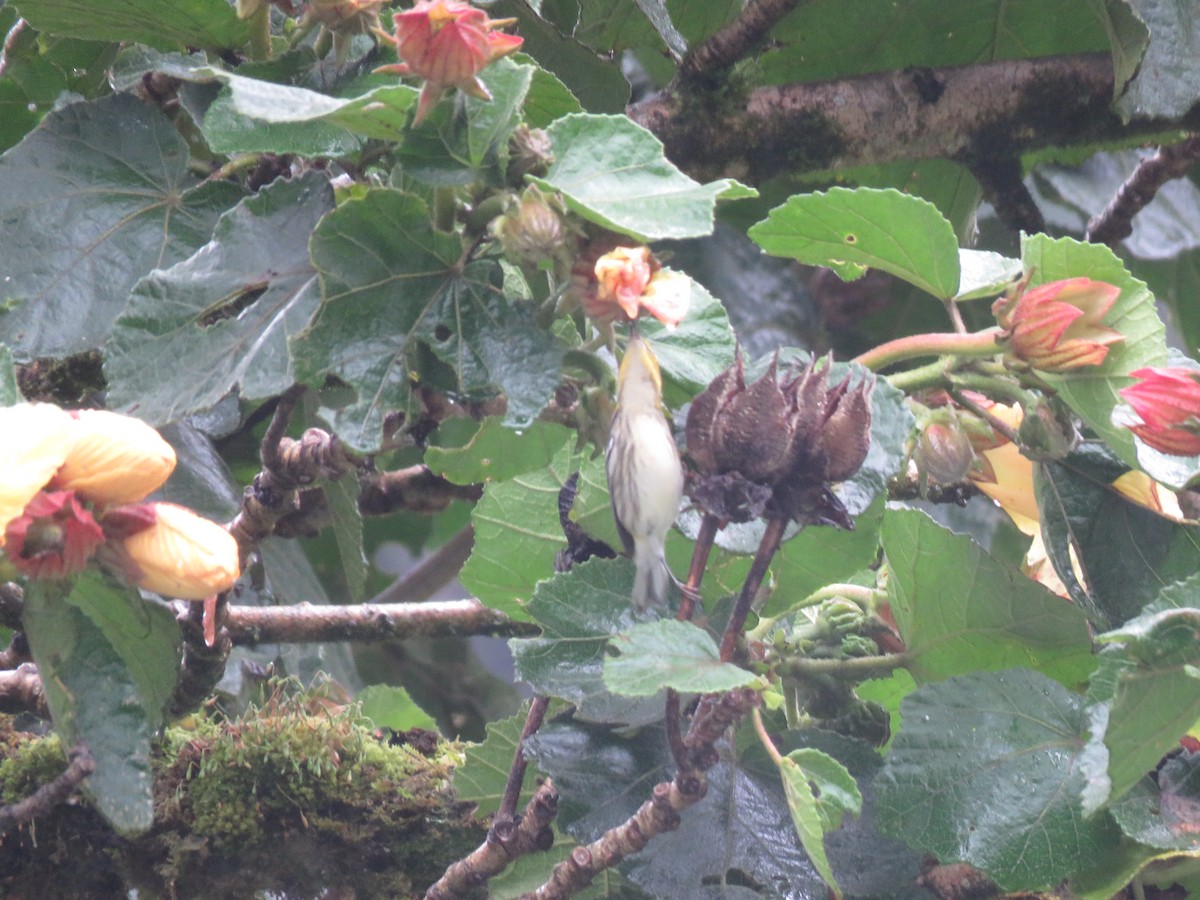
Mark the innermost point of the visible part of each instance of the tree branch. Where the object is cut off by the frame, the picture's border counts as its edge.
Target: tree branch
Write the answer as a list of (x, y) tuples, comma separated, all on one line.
[(1115, 222), (21, 691), (736, 39), (79, 766), (1000, 108), (308, 623)]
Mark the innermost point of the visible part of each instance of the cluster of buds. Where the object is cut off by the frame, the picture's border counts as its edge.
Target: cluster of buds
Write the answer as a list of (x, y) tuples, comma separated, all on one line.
[(617, 282), (776, 445), (1167, 400), (448, 43), (72, 492), (1057, 327)]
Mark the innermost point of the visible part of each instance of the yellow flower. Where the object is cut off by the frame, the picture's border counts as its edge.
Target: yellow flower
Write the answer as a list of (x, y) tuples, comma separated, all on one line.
[(114, 459), (183, 555), (37, 438)]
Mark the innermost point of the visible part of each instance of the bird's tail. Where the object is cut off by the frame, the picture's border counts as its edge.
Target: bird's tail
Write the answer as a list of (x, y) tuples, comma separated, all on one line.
[(653, 578)]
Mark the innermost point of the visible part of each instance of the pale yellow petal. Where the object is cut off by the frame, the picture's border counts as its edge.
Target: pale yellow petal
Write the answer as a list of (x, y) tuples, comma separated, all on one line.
[(37, 438)]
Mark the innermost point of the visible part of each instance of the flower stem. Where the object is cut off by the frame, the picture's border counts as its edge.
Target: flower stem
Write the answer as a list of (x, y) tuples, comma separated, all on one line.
[(260, 33), (764, 738), (754, 579), (979, 343), (854, 667), (935, 374)]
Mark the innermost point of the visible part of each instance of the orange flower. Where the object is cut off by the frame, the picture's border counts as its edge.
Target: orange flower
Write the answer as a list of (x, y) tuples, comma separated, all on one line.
[(448, 43), (628, 280), (114, 458), (1168, 402), (1056, 327), (183, 555)]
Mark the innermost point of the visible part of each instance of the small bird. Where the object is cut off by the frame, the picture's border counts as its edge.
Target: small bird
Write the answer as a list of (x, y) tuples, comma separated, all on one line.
[(645, 476)]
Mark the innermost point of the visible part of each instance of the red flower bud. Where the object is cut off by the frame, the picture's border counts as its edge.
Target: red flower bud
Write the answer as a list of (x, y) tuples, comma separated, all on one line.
[(54, 537), (1168, 402), (183, 555), (1056, 327), (447, 42)]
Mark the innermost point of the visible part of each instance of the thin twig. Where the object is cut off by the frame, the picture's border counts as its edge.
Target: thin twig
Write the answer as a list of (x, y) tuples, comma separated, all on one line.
[(662, 812), (754, 579), (516, 773), (736, 39), (79, 766), (433, 572), (532, 834), (1115, 222)]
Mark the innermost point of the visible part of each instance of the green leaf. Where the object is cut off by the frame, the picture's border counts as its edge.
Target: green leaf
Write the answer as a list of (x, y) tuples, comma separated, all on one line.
[(113, 173), (821, 555), (548, 98), (109, 661), (985, 771), (494, 451), (1167, 82), (696, 351), (597, 81), (959, 610), (466, 141), (1155, 658), (380, 113), (669, 654), (482, 778), (221, 320), (612, 171), (391, 285), (1092, 391), (820, 792), (342, 496), (579, 612), (826, 39), (1161, 810), (388, 706), (1127, 552), (985, 274), (10, 392), (883, 229), (203, 24), (508, 562)]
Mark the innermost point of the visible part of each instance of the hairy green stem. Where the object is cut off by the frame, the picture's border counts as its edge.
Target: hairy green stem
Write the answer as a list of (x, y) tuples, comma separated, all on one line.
[(260, 33), (980, 343)]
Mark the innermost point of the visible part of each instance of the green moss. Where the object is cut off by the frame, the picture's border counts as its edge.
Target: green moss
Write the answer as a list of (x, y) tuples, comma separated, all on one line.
[(295, 798)]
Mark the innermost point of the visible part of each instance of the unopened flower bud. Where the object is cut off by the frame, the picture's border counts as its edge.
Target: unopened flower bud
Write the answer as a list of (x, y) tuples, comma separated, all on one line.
[(114, 459), (529, 153), (944, 452), (345, 17), (1057, 327), (841, 616), (533, 232), (447, 42), (54, 537), (1047, 433), (1167, 400), (183, 555)]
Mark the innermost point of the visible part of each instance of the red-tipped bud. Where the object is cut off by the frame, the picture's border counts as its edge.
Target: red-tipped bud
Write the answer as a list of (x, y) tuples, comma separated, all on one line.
[(183, 555), (1168, 402), (448, 42), (1056, 327), (114, 459), (346, 16), (54, 537)]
